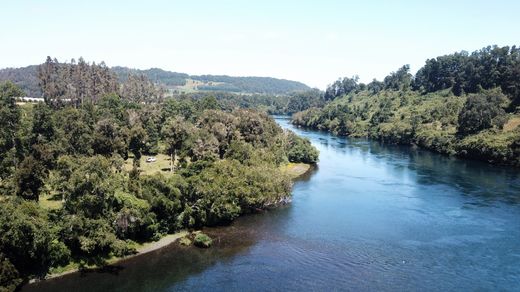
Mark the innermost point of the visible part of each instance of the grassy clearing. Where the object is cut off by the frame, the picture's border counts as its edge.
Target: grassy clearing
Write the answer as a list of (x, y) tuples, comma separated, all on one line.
[(294, 170), (50, 202), (512, 123), (162, 165), (193, 85)]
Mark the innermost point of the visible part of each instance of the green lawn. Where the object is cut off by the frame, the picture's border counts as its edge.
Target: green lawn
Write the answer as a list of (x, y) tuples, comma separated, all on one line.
[(295, 170), (162, 165), (50, 202)]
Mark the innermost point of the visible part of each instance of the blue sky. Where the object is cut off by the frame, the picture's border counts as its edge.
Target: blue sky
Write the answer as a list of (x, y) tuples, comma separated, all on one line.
[(310, 41)]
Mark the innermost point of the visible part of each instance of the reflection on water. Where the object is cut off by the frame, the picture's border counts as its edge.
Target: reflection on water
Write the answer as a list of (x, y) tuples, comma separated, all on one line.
[(369, 217)]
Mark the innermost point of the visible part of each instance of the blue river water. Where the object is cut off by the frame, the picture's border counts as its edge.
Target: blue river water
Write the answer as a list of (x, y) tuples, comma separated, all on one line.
[(369, 217)]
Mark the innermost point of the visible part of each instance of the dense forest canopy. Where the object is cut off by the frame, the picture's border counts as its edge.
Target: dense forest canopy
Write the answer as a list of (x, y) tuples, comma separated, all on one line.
[(76, 185), (459, 104)]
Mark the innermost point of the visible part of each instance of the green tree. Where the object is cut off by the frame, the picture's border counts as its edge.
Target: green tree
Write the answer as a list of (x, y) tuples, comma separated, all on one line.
[(109, 138), (29, 178), (91, 187), (27, 241), (9, 121), (482, 111), (175, 132), (301, 150), (137, 143)]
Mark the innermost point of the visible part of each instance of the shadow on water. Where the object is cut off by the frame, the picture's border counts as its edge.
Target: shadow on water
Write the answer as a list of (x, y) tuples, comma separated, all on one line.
[(160, 269), (471, 178)]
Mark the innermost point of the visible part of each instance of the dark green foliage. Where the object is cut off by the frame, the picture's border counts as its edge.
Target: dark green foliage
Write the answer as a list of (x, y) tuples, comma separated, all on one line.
[(137, 143), (252, 84), (164, 197), (341, 87), (75, 129), (175, 134), (300, 101), (482, 111), (25, 78), (9, 276), (156, 75), (90, 188), (488, 68), (399, 80), (109, 138), (202, 240), (91, 241), (225, 190), (301, 150), (9, 122), (27, 242), (43, 128), (29, 178)]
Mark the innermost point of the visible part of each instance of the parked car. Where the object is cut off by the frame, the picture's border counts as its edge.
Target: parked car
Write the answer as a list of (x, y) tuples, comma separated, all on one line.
[(151, 159)]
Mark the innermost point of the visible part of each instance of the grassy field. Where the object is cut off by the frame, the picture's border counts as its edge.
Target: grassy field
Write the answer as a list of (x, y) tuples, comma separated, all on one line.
[(162, 165), (512, 123), (294, 170), (50, 202), (193, 85)]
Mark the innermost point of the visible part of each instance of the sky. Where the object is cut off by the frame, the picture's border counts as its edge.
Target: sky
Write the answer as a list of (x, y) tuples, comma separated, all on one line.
[(314, 42)]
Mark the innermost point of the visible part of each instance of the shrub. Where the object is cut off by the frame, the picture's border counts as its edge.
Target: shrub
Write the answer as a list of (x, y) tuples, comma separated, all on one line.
[(202, 240)]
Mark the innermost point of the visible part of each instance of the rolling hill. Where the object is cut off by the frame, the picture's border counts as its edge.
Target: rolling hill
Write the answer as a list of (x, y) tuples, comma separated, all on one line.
[(26, 78)]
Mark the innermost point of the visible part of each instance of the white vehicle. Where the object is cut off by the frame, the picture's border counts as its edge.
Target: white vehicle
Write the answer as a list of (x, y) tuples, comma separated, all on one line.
[(151, 159)]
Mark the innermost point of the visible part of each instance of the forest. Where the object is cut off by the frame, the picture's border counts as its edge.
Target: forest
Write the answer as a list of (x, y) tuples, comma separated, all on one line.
[(462, 104), (75, 183)]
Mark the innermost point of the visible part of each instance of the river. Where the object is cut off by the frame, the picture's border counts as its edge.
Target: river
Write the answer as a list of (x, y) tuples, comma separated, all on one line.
[(369, 217)]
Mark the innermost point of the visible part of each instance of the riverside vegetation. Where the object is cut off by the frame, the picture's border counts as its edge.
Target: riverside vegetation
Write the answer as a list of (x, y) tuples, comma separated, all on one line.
[(67, 197), (460, 104)]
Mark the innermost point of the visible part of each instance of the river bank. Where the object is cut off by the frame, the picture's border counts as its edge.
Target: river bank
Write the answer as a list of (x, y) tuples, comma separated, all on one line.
[(294, 170), (370, 216), (141, 249)]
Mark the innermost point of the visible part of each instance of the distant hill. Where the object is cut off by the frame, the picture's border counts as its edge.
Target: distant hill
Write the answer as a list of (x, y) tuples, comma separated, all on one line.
[(189, 83), (27, 79)]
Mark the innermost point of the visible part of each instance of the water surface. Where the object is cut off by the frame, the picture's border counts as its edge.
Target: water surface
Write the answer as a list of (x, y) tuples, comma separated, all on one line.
[(369, 217)]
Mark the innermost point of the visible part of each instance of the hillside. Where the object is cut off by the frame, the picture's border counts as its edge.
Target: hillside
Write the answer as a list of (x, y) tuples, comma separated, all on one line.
[(461, 104), (26, 78), (187, 83)]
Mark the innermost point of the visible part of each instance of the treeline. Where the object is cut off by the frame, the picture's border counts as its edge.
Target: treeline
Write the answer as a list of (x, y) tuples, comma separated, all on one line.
[(460, 104), (78, 82), (27, 79), (462, 72), (488, 68), (156, 75), (271, 104), (223, 164), (264, 85)]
